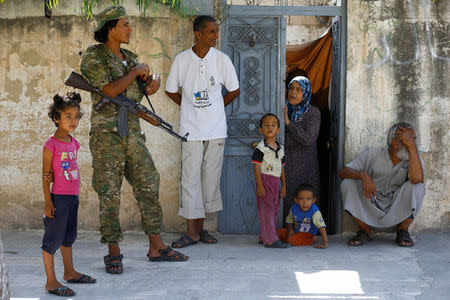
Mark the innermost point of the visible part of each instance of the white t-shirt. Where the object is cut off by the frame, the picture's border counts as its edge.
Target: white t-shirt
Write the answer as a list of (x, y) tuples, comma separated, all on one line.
[(202, 109)]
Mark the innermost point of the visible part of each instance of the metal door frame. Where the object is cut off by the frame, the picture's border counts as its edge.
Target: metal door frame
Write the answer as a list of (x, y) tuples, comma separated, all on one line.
[(332, 11)]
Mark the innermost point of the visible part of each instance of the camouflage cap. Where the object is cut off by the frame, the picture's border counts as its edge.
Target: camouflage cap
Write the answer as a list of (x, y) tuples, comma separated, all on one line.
[(114, 12)]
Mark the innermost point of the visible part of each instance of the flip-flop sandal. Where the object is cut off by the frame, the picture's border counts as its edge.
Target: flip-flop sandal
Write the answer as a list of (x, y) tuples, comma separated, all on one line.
[(110, 265), (402, 237), (63, 291), (165, 256), (277, 244), (83, 279), (361, 237), (206, 238), (183, 241)]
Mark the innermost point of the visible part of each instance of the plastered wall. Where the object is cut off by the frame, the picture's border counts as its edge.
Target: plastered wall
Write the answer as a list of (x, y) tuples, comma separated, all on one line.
[(398, 61), (37, 55), (397, 69)]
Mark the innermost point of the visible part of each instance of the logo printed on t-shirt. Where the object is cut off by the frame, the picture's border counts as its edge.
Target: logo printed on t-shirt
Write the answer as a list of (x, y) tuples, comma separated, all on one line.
[(66, 164), (269, 168), (306, 225), (74, 174), (213, 82), (201, 99)]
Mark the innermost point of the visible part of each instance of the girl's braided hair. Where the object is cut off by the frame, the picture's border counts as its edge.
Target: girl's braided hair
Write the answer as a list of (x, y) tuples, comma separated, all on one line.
[(60, 103)]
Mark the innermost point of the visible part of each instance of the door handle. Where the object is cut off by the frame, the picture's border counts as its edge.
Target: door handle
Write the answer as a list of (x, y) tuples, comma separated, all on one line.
[(330, 144), (253, 144)]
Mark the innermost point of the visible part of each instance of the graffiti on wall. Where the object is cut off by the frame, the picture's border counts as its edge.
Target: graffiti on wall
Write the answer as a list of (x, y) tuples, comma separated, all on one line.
[(163, 54), (377, 57)]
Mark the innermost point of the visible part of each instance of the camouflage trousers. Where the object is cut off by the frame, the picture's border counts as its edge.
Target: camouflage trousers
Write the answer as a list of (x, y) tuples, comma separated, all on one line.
[(115, 157)]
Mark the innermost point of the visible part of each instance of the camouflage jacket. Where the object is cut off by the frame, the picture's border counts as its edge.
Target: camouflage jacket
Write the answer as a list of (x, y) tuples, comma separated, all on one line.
[(100, 66)]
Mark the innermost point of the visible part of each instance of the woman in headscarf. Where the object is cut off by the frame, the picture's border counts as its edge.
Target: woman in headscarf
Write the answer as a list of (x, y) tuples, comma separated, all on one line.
[(302, 122)]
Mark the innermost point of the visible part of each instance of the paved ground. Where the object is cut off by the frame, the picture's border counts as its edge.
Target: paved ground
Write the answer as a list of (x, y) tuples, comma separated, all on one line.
[(238, 268)]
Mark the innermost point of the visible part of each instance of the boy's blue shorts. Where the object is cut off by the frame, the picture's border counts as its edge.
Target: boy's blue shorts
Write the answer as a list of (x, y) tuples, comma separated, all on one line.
[(61, 230)]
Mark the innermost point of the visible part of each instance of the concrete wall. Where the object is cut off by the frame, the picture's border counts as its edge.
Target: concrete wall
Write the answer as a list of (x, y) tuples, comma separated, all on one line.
[(398, 69), (37, 55), (303, 29), (299, 29)]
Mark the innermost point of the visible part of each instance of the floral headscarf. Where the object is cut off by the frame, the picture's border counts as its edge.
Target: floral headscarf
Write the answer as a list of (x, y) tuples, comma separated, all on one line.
[(297, 112)]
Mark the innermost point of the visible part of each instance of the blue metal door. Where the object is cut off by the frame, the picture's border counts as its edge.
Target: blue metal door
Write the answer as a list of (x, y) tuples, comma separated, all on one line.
[(334, 219), (257, 48)]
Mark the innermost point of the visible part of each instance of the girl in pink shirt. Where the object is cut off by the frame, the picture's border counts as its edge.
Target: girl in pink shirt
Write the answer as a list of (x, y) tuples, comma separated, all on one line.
[(61, 203)]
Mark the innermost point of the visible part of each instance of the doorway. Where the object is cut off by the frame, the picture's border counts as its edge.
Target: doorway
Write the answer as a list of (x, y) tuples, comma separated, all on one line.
[(256, 44), (313, 60)]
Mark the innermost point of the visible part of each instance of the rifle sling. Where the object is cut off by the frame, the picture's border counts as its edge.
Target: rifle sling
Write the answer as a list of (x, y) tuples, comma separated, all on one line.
[(141, 85)]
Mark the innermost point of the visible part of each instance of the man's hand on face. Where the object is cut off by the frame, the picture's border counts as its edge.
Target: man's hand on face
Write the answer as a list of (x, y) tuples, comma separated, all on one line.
[(406, 136)]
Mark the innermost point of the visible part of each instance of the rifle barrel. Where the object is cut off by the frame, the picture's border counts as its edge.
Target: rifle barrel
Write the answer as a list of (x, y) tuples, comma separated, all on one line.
[(77, 81)]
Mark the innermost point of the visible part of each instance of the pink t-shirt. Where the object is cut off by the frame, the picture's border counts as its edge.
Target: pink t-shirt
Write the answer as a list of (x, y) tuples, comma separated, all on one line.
[(64, 166)]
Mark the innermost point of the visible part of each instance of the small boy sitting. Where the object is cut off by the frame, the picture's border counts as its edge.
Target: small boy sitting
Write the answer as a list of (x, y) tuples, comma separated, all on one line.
[(304, 220)]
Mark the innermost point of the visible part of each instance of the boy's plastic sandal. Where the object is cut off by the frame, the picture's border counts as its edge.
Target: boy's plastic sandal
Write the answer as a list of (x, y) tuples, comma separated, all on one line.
[(277, 244), (63, 291), (113, 267)]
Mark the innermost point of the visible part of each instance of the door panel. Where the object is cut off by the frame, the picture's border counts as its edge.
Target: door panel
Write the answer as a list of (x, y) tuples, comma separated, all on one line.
[(334, 199), (256, 46)]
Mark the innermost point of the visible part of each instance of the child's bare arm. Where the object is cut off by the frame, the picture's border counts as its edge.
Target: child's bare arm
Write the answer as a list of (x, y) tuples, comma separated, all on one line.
[(46, 168), (290, 229), (323, 234), (260, 190), (283, 184)]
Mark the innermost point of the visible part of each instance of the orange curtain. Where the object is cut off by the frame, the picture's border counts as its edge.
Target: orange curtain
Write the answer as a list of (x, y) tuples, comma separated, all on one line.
[(313, 58)]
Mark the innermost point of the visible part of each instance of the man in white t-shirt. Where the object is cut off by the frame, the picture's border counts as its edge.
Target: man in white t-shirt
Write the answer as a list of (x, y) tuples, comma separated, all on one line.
[(201, 71)]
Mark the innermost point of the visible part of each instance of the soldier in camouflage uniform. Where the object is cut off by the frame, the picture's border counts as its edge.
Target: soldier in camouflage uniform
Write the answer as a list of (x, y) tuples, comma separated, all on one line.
[(114, 70)]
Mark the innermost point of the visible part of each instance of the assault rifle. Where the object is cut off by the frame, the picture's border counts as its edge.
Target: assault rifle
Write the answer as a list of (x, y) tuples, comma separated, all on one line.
[(125, 105)]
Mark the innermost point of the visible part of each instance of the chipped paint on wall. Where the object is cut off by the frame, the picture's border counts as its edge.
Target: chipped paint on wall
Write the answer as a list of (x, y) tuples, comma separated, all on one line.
[(37, 56), (398, 70)]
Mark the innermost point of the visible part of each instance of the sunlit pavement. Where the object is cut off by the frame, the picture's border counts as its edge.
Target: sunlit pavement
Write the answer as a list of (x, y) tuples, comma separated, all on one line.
[(238, 268)]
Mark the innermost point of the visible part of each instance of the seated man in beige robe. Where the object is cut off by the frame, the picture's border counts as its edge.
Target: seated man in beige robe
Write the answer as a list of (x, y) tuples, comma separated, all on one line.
[(383, 187)]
